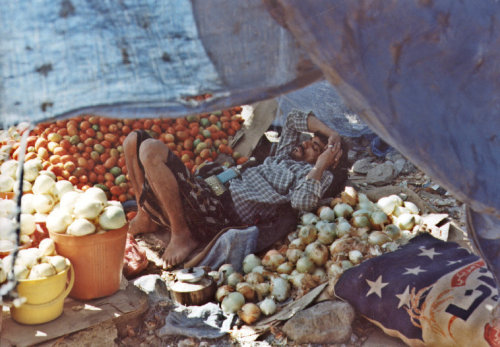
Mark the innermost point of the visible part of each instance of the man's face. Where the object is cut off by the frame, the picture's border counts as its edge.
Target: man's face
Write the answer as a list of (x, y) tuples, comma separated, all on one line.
[(309, 150)]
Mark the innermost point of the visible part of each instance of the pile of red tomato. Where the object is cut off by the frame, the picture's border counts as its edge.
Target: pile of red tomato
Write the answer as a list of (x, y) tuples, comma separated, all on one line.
[(87, 150)]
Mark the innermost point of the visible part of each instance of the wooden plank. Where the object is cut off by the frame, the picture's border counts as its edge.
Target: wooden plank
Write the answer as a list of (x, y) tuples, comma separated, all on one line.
[(77, 315)]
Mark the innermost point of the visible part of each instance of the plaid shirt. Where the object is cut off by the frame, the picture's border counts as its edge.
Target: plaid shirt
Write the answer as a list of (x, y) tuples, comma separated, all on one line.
[(279, 179)]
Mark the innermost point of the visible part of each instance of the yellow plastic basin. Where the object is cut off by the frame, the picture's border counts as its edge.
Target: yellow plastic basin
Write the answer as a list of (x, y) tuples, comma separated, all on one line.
[(44, 298)]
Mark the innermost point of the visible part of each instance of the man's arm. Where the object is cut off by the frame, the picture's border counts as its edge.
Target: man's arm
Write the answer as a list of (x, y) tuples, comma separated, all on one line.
[(315, 125)]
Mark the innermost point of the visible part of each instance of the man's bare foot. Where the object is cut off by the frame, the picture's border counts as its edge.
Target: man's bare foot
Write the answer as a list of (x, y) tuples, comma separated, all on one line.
[(142, 224), (178, 249)]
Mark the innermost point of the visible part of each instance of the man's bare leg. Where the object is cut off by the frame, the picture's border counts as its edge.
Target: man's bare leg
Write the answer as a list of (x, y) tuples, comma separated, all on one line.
[(153, 155), (142, 222)]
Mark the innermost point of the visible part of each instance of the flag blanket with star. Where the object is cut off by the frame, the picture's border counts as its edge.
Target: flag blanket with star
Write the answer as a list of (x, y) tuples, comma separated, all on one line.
[(427, 293)]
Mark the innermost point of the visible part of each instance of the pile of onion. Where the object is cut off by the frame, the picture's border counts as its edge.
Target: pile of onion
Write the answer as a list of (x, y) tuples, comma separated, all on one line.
[(34, 263), (325, 244)]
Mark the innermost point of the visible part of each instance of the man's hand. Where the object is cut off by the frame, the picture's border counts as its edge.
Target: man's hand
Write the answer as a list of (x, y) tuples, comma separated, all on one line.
[(330, 156), (334, 139)]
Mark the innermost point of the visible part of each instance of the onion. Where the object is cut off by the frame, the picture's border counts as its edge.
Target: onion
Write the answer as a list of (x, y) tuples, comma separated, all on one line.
[(43, 203), (326, 232), (392, 231), (58, 221), (28, 226), (97, 194), (309, 218), (355, 256), (343, 210), (6, 183), (9, 168), (360, 221), (280, 288), (28, 257), (349, 196), (378, 238), (21, 272), (58, 262), (63, 187), (343, 228), (31, 169), (254, 278), (378, 219), (334, 270), (246, 290), (3, 274), (41, 270), (361, 212), (7, 229), (305, 265), (27, 203), (234, 278), (339, 246), (317, 252), (346, 264), (273, 259), (267, 306), (411, 207), (249, 262), (27, 187), (308, 233), (223, 291), (389, 203), (6, 262), (375, 250), (293, 254), (226, 270), (88, 208), (232, 302), (259, 269), (285, 268), (8, 208), (406, 221), (44, 184), (390, 246), (68, 200), (48, 173), (297, 279), (262, 289), (297, 244), (327, 214), (320, 275), (249, 313), (112, 217), (81, 227), (47, 247), (399, 210)]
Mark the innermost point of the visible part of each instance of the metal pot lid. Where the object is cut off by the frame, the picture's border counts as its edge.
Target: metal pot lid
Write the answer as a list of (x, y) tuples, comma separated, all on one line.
[(190, 275)]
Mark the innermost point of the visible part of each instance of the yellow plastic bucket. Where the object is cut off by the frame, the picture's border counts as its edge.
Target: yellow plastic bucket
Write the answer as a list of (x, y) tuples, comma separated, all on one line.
[(44, 298)]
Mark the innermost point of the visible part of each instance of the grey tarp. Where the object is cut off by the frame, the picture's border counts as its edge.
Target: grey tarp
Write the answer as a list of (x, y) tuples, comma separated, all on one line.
[(423, 74)]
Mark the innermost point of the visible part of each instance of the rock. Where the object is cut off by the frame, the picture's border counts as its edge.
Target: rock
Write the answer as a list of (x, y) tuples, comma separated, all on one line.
[(399, 166), (154, 286), (362, 166), (351, 155), (187, 343), (381, 174), (326, 322)]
